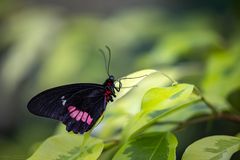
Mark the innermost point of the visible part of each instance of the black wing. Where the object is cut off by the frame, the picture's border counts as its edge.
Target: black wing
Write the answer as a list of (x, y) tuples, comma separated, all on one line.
[(85, 101)]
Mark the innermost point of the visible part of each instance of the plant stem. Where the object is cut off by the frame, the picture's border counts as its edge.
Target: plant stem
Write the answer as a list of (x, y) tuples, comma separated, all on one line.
[(224, 116), (214, 111), (230, 117), (110, 143)]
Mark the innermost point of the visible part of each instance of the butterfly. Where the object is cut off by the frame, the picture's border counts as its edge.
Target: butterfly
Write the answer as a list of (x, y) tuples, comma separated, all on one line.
[(78, 106)]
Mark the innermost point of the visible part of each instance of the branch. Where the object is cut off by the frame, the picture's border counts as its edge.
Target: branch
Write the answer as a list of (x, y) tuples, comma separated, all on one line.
[(224, 116)]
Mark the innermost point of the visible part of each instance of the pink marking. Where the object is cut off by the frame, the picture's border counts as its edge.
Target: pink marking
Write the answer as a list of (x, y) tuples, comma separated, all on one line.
[(84, 117), (71, 108), (74, 113), (79, 116), (89, 120)]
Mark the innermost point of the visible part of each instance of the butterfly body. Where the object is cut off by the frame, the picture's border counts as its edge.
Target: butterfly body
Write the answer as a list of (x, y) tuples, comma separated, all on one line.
[(78, 106)]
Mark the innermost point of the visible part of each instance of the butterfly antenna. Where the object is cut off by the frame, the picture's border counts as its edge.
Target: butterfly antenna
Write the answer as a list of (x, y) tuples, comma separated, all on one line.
[(109, 59), (105, 60)]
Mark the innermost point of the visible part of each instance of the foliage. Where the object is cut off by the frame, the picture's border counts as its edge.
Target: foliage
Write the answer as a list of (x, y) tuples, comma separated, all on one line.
[(149, 146), (146, 134), (156, 118), (213, 147), (69, 146)]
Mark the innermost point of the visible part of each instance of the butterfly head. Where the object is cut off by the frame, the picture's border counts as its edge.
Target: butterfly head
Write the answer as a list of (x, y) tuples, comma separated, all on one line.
[(110, 81), (112, 78)]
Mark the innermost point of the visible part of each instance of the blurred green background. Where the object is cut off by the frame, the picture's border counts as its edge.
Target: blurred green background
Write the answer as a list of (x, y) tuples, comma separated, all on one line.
[(53, 42)]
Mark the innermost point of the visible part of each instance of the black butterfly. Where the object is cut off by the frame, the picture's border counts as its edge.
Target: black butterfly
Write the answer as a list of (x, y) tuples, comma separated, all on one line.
[(78, 106)]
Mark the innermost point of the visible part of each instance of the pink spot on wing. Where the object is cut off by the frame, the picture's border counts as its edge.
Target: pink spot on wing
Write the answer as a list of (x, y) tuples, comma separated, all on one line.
[(79, 116), (74, 113), (71, 108), (89, 120), (84, 117)]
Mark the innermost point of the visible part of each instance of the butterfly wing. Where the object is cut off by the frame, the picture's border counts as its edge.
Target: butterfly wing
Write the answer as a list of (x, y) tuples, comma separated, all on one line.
[(85, 101), (83, 110)]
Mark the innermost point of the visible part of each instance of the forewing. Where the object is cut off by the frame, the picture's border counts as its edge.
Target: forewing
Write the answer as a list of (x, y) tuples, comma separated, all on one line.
[(52, 102)]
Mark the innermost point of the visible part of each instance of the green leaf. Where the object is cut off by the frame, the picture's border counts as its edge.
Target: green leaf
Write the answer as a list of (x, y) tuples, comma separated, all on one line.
[(142, 85), (112, 125), (109, 153), (128, 100), (151, 146), (129, 83), (222, 78), (166, 97), (212, 148), (179, 98), (69, 147), (172, 120)]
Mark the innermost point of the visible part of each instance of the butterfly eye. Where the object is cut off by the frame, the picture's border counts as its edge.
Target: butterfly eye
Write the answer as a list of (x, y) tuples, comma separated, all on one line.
[(111, 77)]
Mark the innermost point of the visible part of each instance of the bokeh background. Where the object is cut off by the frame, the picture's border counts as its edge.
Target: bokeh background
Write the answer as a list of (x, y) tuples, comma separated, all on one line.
[(53, 42)]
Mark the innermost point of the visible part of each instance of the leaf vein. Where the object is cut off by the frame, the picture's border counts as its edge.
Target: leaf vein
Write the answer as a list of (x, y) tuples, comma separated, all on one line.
[(155, 150)]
